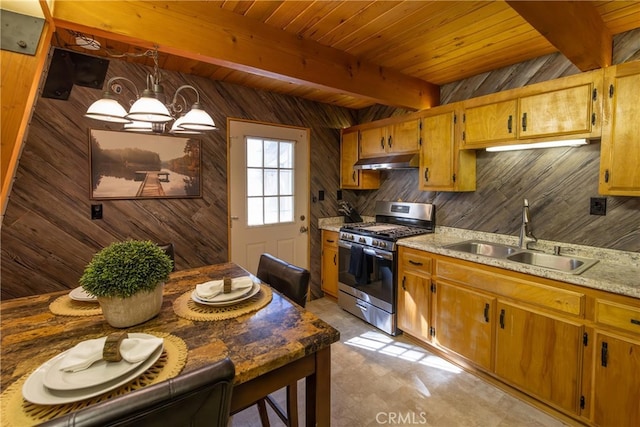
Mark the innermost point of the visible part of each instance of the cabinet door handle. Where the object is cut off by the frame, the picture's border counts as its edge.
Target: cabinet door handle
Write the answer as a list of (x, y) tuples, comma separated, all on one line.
[(426, 174), (611, 90), (510, 124), (404, 280), (330, 241), (389, 141), (412, 262), (334, 259), (524, 121), (486, 312), (635, 321), (604, 350), (382, 142), (502, 313), (606, 175), (354, 176)]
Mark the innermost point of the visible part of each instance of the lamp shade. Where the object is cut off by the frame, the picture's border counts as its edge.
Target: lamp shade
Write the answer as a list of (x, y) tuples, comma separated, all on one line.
[(179, 130), (148, 109), (197, 119), (107, 110)]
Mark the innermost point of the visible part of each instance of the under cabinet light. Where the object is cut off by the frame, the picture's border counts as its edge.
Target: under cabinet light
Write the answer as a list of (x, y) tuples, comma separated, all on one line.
[(547, 144)]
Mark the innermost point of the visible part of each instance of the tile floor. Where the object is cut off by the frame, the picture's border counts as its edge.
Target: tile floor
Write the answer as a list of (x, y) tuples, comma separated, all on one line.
[(382, 380)]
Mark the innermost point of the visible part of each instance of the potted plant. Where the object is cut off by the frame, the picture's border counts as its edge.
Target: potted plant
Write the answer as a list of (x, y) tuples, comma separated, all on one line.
[(127, 279)]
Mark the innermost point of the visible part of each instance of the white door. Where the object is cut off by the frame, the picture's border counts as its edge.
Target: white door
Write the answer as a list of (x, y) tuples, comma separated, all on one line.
[(268, 193)]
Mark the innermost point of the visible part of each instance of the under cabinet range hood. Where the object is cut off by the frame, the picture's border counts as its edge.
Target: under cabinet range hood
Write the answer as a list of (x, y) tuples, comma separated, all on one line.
[(391, 161)]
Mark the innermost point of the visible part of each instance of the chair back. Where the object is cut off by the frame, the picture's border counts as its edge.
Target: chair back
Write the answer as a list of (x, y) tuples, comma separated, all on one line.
[(196, 399), (170, 251), (286, 278)]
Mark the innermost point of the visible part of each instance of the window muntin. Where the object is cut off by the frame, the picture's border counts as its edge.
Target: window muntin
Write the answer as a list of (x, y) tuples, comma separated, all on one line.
[(270, 186)]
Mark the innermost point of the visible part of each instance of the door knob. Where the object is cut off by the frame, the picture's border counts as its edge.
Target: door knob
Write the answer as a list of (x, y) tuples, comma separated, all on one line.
[(304, 229)]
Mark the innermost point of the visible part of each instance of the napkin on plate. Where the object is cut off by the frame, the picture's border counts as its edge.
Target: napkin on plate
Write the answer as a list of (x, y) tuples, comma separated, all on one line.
[(84, 354), (210, 290)]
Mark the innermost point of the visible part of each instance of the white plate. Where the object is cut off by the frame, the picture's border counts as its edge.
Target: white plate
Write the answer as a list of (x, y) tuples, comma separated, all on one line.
[(99, 373), (254, 290), (231, 296), (34, 390), (79, 294)]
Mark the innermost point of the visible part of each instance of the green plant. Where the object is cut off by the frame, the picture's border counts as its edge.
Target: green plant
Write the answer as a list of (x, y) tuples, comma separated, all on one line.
[(123, 269)]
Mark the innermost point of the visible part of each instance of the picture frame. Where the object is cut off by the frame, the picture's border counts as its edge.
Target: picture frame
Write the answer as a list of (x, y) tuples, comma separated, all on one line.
[(130, 165)]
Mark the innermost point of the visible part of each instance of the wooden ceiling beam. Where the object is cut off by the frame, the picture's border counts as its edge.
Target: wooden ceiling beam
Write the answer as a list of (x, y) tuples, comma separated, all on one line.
[(204, 32), (575, 28)]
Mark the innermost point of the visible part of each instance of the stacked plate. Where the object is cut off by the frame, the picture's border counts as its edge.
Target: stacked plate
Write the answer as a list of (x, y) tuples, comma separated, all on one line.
[(210, 293), (79, 294), (49, 385)]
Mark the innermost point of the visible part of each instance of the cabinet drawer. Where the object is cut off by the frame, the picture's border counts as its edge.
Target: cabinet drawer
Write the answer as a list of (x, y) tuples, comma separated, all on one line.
[(329, 238), (618, 315), (413, 259), (512, 287)]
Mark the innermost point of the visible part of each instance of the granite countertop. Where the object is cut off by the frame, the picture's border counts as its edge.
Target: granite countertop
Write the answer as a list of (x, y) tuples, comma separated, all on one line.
[(616, 271)]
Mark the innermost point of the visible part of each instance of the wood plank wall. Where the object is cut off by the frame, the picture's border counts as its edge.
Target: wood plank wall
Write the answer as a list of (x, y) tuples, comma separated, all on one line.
[(48, 236), (558, 182)]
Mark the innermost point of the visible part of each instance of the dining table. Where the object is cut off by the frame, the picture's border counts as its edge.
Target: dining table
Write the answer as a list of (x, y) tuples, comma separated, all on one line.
[(271, 341)]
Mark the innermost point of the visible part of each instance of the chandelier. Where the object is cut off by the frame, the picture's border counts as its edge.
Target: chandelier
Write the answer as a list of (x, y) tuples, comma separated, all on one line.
[(149, 113)]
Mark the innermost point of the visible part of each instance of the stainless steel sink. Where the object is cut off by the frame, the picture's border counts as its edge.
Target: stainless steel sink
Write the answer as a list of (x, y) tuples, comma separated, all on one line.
[(564, 263), (478, 247), (573, 265)]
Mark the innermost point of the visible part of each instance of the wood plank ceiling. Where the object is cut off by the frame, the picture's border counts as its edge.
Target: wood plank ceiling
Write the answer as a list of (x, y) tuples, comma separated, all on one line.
[(348, 53)]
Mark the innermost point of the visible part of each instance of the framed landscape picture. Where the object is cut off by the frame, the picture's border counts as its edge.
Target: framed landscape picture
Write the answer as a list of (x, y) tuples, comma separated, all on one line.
[(128, 165)]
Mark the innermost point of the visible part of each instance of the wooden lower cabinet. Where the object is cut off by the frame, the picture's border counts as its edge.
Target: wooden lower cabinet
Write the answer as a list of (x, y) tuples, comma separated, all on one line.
[(330, 262), (540, 354), (414, 293), (464, 322), (616, 381), (573, 350)]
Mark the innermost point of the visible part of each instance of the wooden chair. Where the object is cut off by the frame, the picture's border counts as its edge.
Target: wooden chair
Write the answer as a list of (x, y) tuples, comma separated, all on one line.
[(293, 282), (170, 251), (196, 399)]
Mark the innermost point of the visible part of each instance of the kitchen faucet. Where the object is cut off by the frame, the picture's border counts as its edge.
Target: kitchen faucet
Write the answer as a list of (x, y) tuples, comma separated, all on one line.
[(526, 235)]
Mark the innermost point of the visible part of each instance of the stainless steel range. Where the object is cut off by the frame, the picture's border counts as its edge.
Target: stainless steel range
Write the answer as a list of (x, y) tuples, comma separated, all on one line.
[(367, 262)]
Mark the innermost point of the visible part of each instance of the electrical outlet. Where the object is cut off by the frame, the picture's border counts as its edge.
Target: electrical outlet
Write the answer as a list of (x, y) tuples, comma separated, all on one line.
[(598, 206), (321, 195), (96, 211), (339, 195)]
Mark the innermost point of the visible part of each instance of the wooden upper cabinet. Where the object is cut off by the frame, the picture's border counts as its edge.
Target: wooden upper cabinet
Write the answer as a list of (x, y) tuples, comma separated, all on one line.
[(443, 167), (349, 176), (404, 137), (490, 123), (565, 108), (373, 142), (620, 148), (558, 112), (396, 138)]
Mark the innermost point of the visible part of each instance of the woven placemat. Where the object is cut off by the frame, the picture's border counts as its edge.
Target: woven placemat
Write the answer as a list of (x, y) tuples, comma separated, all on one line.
[(18, 412), (185, 307), (65, 306)]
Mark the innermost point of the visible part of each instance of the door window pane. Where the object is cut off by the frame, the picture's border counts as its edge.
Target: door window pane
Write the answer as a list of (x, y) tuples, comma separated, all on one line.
[(270, 174), (254, 153)]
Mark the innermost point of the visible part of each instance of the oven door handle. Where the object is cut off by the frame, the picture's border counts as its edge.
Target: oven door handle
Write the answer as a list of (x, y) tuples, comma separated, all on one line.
[(368, 251)]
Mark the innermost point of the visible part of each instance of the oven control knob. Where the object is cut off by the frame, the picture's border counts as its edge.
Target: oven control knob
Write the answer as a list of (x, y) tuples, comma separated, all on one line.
[(382, 244), (362, 240)]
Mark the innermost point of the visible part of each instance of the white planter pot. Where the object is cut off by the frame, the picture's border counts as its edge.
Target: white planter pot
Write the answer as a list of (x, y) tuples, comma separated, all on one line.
[(125, 312)]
